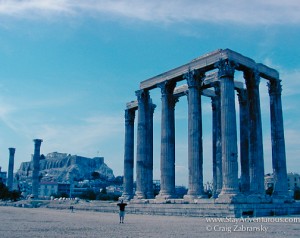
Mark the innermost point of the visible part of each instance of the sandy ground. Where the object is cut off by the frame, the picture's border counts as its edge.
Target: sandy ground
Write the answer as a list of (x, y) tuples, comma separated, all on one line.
[(43, 222)]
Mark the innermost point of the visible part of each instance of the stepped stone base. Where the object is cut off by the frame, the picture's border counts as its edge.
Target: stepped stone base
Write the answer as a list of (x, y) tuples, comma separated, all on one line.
[(179, 207)]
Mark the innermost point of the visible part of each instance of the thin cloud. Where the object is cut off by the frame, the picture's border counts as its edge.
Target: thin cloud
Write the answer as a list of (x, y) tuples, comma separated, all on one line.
[(217, 11)]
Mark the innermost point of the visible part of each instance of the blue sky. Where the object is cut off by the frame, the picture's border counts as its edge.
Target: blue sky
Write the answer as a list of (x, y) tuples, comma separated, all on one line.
[(68, 67)]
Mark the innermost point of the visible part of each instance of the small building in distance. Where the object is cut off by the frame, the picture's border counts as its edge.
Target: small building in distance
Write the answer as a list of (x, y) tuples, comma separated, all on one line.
[(293, 181), (48, 189)]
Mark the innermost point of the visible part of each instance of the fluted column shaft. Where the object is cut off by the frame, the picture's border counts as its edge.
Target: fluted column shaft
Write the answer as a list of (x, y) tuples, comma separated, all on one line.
[(167, 156), (10, 176), (142, 150), (36, 168), (217, 142), (129, 154), (228, 128), (278, 142), (256, 159), (244, 140), (149, 164), (195, 148)]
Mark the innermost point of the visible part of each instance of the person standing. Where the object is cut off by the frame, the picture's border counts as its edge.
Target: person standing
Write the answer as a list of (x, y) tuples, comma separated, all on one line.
[(122, 206)]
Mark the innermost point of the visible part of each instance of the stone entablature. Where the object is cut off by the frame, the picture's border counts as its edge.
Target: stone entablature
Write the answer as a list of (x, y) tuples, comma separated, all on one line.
[(208, 62)]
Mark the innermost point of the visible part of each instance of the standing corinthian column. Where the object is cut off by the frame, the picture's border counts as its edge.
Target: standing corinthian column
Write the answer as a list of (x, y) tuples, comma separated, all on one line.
[(229, 132), (10, 177), (36, 168), (244, 140), (142, 148), (129, 154), (149, 163), (217, 142), (195, 149), (256, 159), (278, 143), (167, 156)]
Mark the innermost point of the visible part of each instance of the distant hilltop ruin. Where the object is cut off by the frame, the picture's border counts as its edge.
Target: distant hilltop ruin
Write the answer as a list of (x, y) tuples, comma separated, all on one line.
[(63, 167)]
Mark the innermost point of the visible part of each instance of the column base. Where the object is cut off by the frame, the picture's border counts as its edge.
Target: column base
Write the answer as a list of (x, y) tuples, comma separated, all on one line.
[(258, 198), (282, 198), (191, 198), (126, 197), (164, 197), (139, 195), (228, 198)]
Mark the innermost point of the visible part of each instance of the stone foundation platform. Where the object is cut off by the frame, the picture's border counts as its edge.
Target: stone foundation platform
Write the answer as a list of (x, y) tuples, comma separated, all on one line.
[(178, 207)]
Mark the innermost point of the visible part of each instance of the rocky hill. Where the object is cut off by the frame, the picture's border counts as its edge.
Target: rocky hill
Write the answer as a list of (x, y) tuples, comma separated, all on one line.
[(61, 167)]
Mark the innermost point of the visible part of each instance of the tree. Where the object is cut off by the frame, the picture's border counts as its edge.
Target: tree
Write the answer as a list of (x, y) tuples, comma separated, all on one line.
[(5, 194), (118, 180), (88, 194)]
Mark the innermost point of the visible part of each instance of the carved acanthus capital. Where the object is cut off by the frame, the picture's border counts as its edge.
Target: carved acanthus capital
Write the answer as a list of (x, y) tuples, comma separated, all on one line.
[(242, 96), (174, 101), (275, 87), (167, 88), (152, 107), (226, 68), (216, 86), (194, 78), (252, 78), (129, 116), (142, 95)]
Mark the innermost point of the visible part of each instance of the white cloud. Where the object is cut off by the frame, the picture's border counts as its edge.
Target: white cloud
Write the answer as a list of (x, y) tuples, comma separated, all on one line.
[(241, 12), (290, 82)]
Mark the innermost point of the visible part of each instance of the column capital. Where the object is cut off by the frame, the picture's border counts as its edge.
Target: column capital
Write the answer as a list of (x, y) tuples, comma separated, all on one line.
[(194, 78), (129, 116), (226, 68), (242, 96), (275, 87), (167, 87), (252, 77), (12, 150), (152, 108), (38, 142), (141, 94)]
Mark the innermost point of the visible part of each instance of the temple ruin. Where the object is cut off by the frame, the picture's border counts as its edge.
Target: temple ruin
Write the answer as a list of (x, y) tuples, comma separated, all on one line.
[(211, 75)]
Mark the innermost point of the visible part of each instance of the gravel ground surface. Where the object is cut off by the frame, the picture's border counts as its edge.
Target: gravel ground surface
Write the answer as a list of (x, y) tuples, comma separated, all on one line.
[(43, 222)]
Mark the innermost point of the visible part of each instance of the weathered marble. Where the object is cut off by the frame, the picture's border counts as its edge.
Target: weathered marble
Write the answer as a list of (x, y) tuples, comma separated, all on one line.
[(208, 62), (195, 147), (219, 67), (128, 154), (244, 140), (278, 142), (256, 158), (167, 156), (142, 152), (217, 142), (228, 131), (10, 175), (36, 167), (149, 162)]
